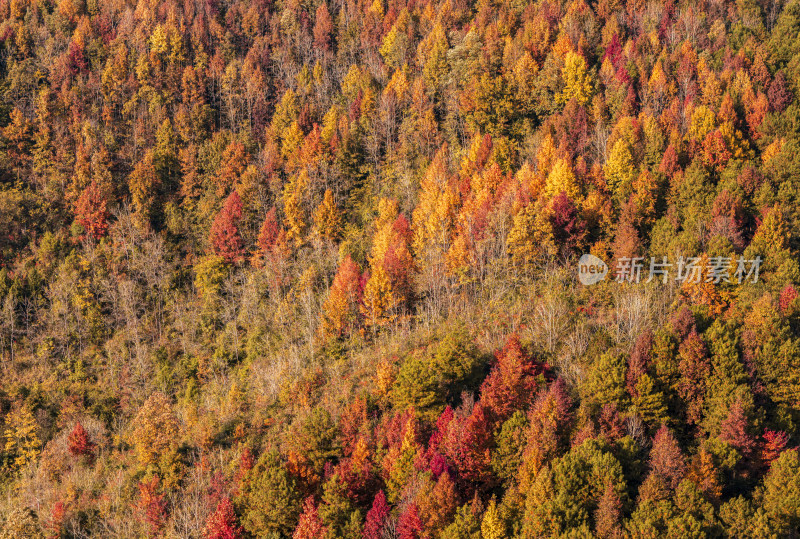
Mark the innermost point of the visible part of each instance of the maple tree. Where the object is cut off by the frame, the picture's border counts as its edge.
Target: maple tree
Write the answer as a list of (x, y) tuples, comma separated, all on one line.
[(222, 523)]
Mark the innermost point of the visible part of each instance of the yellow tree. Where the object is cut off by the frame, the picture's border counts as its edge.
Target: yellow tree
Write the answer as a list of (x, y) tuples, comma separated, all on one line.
[(492, 526), (578, 83), (142, 184), (17, 135), (155, 429), (378, 299), (434, 216), (619, 168), (22, 443), (391, 249), (562, 179), (294, 198), (327, 220)]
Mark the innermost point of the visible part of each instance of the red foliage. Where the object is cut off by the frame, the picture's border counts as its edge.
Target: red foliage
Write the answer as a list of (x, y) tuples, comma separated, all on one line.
[(512, 383), (774, 444), (409, 525), (376, 517), (56, 521), (222, 523), (669, 162), (568, 228), (76, 59), (323, 28), (734, 431), (756, 112), (246, 463), (683, 322), (666, 458), (397, 261), (641, 355), (611, 426), (310, 525), (269, 232), (786, 299), (779, 93), (352, 423), (79, 442), (225, 239), (614, 51), (91, 211), (715, 151), (694, 367), (152, 505), (467, 444)]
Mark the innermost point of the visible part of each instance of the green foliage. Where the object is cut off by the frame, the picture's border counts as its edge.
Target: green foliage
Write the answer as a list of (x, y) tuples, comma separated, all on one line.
[(433, 377), (269, 501)]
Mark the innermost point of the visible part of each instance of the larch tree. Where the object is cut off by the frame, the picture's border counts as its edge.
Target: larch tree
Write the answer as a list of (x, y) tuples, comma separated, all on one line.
[(327, 220), (224, 237), (340, 311), (91, 211)]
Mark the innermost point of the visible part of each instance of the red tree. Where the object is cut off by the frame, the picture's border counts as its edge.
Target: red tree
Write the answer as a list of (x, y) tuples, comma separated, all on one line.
[(225, 239), (512, 383), (79, 442), (270, 230), (152, 505), (666, 458), (695, 367), (779, 93), (376, 517), (669, 162), (734, 431), (222, 524), (409, 525), (310, 525), (640, 360), (91, 211), (787, 297), (468, 444), (774, 444), (323, 27), (568, 228)]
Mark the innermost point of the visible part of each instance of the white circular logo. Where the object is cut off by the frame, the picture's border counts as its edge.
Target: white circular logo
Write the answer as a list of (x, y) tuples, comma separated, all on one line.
[(591, 270)]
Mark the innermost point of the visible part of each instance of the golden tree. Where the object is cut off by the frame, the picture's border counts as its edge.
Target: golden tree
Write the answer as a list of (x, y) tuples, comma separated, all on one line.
[(327, 220), (155, 429)]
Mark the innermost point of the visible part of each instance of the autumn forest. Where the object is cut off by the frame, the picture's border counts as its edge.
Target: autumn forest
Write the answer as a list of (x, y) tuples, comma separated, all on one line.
[(310, 269)]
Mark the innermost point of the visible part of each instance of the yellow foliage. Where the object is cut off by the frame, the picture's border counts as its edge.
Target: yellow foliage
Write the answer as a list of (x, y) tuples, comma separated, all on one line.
[(619, 169), (530, 236), (155, 429), (772, 150), (561, 178), (492, 526), (22, 443), (378, 299), (291, 140), (294, 196), (434, 216), (702, 123), (578, 82), (329, 124), (327, 220)]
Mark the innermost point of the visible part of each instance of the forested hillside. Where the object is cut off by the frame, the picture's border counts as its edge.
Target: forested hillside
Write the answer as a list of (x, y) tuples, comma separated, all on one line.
[(309, 269)]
